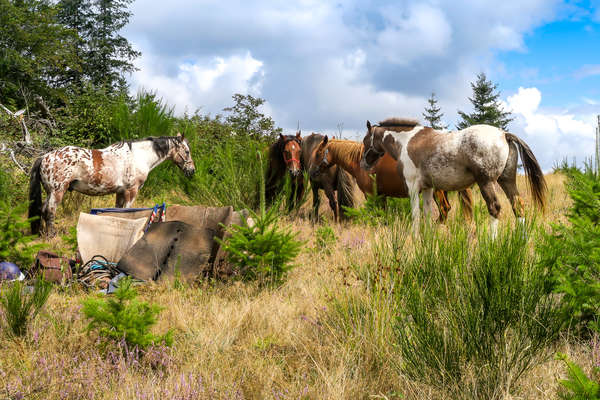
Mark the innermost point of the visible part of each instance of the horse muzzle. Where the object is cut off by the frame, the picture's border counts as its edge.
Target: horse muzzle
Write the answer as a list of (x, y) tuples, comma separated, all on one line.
[(189, 172)]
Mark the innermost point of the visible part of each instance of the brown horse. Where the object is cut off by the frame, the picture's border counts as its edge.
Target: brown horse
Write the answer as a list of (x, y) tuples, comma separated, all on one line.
[(121, 168), (389, 181), (285, 157), (333, 181), (430, 159)]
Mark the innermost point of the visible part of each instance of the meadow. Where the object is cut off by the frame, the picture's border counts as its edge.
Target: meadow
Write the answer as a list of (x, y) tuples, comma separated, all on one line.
[(333, 330)]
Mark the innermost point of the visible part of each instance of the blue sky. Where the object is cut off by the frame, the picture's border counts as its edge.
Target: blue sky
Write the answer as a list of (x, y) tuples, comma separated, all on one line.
[(328, 63)]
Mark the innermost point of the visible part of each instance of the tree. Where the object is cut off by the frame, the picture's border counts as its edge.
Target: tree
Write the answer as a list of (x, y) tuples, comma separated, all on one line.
[(35, 51), (487, 108), (433, 114), (109, 55), (246, 119), (77, 15)]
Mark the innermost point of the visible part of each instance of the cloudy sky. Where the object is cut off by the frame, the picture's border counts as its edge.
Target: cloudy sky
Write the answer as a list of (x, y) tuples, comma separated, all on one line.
[(323, 63)]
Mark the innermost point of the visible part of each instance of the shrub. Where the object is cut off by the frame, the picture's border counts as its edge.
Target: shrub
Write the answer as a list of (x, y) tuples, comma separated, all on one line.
[(470, 317), (15, 245), (379, 209), (125, 318), (263, 251), (572, 252), (20, 307)]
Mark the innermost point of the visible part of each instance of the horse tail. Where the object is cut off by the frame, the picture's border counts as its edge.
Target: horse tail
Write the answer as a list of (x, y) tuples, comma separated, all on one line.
[(466, 203), (35, 197), (534, 173), (345, 191)]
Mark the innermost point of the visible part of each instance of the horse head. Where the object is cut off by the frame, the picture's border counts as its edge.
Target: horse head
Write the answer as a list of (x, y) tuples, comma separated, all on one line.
[(181, 156), (373, 147), (319, 159), (292, 152)]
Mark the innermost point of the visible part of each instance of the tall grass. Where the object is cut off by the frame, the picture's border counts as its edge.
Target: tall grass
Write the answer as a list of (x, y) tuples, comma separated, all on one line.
[(470, 315)]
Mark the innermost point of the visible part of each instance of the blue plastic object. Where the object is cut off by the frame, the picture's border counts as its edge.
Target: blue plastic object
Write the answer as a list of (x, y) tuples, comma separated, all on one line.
[(10, 272)]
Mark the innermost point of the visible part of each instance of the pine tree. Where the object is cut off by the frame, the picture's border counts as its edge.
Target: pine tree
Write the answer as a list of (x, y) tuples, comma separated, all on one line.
[(433, 114), (110, 55), (487, 108), (77, 15)]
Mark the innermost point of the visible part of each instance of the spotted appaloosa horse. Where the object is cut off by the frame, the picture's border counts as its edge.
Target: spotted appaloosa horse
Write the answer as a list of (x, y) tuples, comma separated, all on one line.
[(480, 154), (121, 168)]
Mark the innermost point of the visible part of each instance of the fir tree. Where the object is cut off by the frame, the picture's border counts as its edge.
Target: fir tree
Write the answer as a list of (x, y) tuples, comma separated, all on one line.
[(433, 114), (487, 108), (110, 55)]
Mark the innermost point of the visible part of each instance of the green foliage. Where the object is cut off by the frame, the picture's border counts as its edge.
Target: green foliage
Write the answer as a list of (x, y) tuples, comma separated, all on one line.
[(579, 386), (487, 108), (470, 318), (325, 238), (15, 245), (246, 119), (264, 251), (433, 114), (378, 210), (20, 307), (572, 252), (125, 318), (35, 51)]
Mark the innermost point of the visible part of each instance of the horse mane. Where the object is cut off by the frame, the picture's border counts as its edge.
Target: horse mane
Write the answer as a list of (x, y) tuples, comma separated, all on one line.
[(399, 122), (348, 149), (160, 144)]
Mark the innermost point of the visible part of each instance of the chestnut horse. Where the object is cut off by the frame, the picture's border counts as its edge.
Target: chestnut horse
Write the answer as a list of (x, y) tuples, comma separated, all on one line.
[(335, 182), (429, 159), (121, 168), (285, 157), (389, 181)]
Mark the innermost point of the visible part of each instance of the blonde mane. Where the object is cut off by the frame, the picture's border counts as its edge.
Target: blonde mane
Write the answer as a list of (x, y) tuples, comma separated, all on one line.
[(347, 149)]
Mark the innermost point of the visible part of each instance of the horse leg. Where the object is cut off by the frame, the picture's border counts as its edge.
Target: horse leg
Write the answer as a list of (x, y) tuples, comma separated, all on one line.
[(413, 192), (120, 201), (130, 196), (316, 201), (508, 183), (493, 205), (427, 203), (330, 192), (49, 211), (441, 199)]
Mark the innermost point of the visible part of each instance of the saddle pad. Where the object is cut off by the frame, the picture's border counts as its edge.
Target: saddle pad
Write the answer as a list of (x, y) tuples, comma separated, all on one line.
[(107, 236), (169, 249)]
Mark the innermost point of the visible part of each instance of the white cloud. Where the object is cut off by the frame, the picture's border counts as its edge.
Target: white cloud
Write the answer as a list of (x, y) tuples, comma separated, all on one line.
[(552, 134), (208, 84)]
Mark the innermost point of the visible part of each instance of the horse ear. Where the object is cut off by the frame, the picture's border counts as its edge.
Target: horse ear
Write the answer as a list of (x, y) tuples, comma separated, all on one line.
[(368, 125), (299, 135), (180, 136), (325, 140), (280, 136)]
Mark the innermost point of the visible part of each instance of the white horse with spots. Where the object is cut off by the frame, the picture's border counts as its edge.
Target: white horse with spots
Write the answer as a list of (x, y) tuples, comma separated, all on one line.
[(430, 159), (121, 168)]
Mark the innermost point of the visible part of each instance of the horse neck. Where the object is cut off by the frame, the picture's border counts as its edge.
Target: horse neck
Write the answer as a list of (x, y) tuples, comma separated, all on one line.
[(342, 159), (144, 156)]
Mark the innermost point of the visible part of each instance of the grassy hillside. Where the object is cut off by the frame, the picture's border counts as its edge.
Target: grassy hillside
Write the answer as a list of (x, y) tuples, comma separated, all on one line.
[(324, 334)]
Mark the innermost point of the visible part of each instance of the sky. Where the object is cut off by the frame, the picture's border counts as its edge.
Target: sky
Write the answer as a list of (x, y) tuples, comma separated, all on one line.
[(334, 65)]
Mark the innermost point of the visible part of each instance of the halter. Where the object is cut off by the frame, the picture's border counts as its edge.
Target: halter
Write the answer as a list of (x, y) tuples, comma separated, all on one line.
[(290, 160), (377, 153)]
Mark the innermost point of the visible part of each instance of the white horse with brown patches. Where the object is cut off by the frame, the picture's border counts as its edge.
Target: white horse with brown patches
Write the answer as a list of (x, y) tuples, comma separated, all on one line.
[(121, 168), (430, 159)]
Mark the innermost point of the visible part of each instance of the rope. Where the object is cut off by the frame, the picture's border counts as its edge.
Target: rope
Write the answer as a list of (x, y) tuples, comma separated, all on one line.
[(98, 268)]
